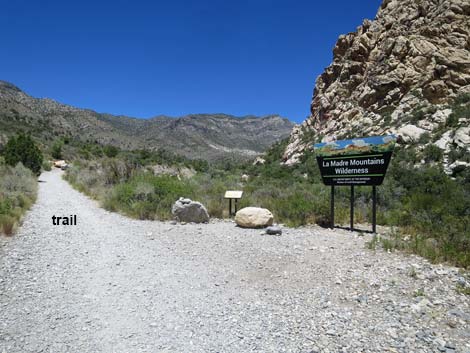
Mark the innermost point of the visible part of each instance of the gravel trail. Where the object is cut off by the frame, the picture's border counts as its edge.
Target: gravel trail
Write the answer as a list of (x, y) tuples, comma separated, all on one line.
[(113, 284)]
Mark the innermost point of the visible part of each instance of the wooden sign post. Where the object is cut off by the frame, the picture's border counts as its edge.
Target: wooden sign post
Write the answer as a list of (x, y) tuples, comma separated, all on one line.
[(361, 161), (235, 196)]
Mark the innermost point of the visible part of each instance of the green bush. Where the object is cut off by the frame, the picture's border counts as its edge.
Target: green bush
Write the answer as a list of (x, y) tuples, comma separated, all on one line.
[(435, 207), (463, 98), (110, 151), (424, 138), (56, 149), (460, 109), (417, 115), (432, 153), (21, 148), (146, 196), (46, 165), (458, 154)]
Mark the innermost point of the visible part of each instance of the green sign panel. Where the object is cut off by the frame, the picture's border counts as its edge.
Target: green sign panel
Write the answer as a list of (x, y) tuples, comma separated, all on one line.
[(361, 161)]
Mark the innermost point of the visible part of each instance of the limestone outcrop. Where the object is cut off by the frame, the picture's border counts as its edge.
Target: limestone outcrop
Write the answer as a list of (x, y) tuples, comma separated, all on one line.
[(405, 68)]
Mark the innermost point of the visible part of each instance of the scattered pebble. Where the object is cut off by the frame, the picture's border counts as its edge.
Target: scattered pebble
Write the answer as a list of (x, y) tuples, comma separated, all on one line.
[(105, 285)]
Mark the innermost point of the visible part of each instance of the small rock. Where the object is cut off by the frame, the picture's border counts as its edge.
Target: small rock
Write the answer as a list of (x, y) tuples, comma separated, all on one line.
[(459, 314), (274, 230), (362, 299), (331, 332), (449, 345), (461, 282)]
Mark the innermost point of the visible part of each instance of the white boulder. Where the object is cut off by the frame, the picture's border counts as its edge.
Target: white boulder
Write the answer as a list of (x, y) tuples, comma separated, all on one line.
[(410, 133), (462, 137), (254, 217), (444, 142), (259, 161)]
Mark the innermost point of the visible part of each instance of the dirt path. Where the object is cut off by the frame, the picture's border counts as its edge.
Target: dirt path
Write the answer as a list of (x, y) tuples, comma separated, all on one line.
[(112, 284)]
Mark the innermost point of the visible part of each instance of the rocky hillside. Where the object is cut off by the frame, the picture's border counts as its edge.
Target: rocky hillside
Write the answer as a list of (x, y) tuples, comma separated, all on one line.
[(406, 72), (201, 136)]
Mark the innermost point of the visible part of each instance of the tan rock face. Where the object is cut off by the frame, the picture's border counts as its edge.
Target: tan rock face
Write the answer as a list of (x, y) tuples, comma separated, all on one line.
[(254, 217), (413, 54)]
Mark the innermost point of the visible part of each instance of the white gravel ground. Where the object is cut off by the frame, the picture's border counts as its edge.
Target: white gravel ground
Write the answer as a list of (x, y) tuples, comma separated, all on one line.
[(112, 284)]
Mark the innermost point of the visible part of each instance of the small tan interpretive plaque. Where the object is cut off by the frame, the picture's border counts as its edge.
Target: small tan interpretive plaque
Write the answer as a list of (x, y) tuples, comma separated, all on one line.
[(233, 194)]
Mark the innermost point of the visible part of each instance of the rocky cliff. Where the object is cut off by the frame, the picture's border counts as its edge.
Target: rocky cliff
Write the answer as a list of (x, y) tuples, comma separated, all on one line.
[(201, 136), (406, 72)]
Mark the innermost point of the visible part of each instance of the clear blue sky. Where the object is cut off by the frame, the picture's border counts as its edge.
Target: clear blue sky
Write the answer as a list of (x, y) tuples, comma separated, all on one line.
[(175, 57)]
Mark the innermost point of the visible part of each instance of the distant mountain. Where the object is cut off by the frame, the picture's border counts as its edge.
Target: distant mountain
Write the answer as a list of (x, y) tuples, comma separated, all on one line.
[(202, 136)]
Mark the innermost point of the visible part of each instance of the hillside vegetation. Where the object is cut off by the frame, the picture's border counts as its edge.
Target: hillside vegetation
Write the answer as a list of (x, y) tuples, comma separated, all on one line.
[(428, 210)]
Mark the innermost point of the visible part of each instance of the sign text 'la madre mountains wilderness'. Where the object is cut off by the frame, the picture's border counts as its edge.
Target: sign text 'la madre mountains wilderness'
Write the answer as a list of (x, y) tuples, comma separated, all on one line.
[(361, 161)]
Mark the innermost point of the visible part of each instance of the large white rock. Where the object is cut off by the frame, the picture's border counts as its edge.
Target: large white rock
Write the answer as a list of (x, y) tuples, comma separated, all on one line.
[(444, 142), (60, 163), (462, 137), (410, 133), (254, 217), (186, 210), (259, 161), (441, 115)]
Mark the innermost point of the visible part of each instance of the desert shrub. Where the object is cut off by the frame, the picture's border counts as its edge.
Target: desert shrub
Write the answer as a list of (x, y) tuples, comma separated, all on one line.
[(462, 99), (460, 109), (436, 207), (90, 150), (432, 153), (146, 196), (200, 165), (46, 165), (21, 148), (7, 224), (386, 119), (18, 188), (417, 115), (56, 149), (458, 154), (110, 151), (424, 138)]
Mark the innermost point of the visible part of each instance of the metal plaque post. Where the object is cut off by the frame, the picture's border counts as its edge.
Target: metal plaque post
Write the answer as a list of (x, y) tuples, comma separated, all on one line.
[(374, 209), (235, 196), (332, 206), (352, 209)]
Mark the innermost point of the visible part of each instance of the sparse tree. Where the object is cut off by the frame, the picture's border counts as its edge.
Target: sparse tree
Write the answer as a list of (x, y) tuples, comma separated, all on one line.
[(21, 148)]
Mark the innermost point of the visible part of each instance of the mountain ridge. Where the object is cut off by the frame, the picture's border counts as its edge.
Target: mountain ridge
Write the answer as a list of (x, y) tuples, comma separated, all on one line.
[(201, 136)]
